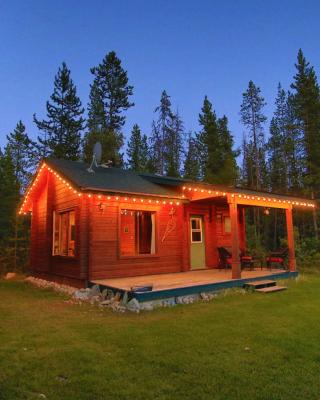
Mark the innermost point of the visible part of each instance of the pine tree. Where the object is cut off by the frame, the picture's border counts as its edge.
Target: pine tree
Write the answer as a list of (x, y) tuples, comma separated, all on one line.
[(9, 189), (137, 151), (228, 173), (248, 169), (284, 147), (208, 143), (111, 81), (253, 119), (174, 145), (306, 102), (255, 169), (293, 148), (9, 199), (109, 98), (277, 162), (155, 157), (191, 163), (160, 133), (23, 154), (61, 131)]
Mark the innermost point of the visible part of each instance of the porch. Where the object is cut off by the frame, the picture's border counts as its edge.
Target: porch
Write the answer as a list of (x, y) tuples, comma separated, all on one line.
[(236, 203), (186, 283)]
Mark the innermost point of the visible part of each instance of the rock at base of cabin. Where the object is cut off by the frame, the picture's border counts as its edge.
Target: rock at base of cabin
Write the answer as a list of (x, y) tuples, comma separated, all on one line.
[(125, 298), (95, 299), (82, 294), (116, 306), (204, 296), (188, 299), (117, 297), (106, 302), (207, 296), (10, 275), (44, 284), (107, 294), (133, 305), (147, 306), (95, 290), (170, 302)]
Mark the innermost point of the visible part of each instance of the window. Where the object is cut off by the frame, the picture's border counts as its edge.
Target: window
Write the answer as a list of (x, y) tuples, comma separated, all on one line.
[(64, 233), (227, 225), (137, 232), (196, 230)]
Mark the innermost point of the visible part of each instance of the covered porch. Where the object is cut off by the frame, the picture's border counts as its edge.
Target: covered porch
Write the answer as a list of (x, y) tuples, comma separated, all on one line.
[(236, 202)]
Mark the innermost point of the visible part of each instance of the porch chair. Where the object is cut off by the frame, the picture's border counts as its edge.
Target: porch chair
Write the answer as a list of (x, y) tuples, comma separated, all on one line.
[(278, 258), (246, 260), (225, 258)]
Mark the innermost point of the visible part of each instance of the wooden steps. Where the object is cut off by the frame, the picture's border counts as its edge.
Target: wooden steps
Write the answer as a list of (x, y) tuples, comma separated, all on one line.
[(271, 289), (264, 286), (259, 284)]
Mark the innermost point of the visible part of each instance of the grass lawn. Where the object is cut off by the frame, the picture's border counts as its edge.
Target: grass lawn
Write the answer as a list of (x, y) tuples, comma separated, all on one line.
[(239, 346)]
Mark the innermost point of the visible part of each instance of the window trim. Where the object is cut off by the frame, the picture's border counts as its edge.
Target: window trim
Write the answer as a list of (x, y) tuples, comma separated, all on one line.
[(196, 230), (138, 256), (59, 212), (224, 224)]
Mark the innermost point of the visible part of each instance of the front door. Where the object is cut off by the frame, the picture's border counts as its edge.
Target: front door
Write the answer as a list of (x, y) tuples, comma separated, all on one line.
[(197, 243)]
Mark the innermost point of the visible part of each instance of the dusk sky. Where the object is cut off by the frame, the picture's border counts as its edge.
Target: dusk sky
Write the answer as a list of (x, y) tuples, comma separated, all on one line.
[(188, 48)]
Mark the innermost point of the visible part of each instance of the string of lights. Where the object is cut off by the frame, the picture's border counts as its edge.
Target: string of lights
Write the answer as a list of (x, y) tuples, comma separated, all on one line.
[(24, 209), (186, 190), (247, 197)]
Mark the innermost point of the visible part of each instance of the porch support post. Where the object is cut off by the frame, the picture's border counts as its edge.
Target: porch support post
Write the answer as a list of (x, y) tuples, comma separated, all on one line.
[(233, 209), (290, 238)]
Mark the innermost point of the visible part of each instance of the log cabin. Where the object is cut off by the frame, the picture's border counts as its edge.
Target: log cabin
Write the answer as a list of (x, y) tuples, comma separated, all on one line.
[(111, 224)]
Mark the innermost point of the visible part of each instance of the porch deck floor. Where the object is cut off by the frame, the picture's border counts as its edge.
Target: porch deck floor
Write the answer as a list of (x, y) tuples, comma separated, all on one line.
[(182, 279)]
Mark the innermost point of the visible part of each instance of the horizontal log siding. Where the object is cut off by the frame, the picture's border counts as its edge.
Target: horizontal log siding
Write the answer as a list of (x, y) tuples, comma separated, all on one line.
[(105, 258), (39, 250), (52, 195)]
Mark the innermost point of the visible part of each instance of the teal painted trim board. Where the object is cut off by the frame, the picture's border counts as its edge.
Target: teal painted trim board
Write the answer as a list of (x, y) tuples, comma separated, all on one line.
[(188, 290)]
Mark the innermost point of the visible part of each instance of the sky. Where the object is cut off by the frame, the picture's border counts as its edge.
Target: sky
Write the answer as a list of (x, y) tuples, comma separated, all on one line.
[(189, 48)]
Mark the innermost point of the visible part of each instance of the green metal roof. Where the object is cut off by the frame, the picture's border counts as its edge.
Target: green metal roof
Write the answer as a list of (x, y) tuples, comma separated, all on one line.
[(116, 180)]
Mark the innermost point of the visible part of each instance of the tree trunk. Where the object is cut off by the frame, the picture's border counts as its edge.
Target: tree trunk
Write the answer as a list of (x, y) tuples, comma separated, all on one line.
[(275, 229), (314, 217), (15, 243)]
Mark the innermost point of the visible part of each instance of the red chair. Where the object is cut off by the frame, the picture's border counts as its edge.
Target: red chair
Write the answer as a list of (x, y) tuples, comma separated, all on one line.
[(246, 260), (225, 259), (277, 258)]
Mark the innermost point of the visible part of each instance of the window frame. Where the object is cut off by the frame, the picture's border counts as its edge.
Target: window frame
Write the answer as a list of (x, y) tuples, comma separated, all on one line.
[(128, 207), (200, 230), (225, 232), (60, 212)]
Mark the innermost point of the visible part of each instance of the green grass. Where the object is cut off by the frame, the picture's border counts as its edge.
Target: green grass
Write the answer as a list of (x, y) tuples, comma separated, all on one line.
[(187, 352)]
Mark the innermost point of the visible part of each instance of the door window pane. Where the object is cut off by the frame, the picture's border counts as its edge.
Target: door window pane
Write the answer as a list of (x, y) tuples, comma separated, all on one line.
[(195, 223), (196, 230)]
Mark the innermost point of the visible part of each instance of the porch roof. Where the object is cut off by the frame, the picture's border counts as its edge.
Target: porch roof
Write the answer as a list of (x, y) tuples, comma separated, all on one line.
[(204, 191)]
